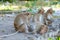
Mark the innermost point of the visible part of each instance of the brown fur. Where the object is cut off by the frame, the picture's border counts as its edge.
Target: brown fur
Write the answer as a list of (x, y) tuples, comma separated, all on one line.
[(36, 16), (43, 29), (26, 19), (21, 27), (36, 19), (49, 11)]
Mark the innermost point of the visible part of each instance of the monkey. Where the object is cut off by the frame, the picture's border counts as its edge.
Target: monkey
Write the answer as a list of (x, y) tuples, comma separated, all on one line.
[(38, 15), (20, 24), (47, 16), (37, 20), (21, 19)]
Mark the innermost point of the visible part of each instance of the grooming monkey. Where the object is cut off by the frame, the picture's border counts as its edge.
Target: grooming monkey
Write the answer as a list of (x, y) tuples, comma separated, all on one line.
[(21, 22), (47, 16), (38, 19)]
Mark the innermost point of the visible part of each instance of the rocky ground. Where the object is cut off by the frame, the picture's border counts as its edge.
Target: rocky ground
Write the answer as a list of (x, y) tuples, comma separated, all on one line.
[(6, 27)]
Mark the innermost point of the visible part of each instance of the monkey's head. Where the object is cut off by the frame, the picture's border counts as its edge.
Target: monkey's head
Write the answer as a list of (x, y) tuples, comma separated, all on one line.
[(26, 13), (50, 11), (41, 11)]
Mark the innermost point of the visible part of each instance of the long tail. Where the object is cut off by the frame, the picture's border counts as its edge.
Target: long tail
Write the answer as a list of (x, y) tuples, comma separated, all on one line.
[(9, 34)]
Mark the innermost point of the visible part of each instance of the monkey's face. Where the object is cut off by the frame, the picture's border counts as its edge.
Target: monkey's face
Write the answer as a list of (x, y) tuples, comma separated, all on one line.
[(50, 11)]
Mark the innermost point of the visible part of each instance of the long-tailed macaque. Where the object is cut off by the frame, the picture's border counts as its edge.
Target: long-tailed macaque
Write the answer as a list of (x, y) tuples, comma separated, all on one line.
[(38, 17), (38, 20), (21, 22), (48, 16)]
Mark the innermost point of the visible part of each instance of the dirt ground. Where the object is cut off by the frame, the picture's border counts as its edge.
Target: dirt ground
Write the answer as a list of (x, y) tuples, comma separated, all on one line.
[(6, 27)]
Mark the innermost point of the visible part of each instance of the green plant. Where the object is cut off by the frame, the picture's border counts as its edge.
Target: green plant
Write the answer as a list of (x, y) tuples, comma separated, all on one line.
[(58, 38)]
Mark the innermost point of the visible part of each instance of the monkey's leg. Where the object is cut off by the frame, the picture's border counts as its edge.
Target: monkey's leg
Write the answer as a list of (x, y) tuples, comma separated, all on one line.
[(16, 27), (21, 28)]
